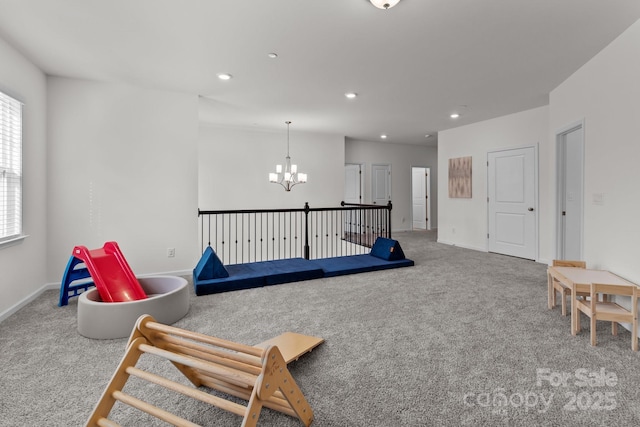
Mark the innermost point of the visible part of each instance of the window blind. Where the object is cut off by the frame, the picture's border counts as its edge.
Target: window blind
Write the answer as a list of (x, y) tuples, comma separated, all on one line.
[(10, 168)]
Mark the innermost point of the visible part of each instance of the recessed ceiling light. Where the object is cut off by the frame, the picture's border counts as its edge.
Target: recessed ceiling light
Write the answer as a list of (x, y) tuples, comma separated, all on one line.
[(383, 136), (224, 76), (454, 115), (272, 55), (351, 95)]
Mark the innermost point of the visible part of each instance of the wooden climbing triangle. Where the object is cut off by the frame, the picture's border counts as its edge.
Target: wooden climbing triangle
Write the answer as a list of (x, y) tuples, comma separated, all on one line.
[(257, 375)]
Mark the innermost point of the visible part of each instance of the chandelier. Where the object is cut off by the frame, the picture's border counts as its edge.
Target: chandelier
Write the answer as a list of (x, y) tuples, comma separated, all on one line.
[(290, 175), (384, 4)]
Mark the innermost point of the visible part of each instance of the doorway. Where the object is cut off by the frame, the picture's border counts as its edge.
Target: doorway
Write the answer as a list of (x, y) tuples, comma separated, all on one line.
[(421, 198), (570, 191), (512, 202)]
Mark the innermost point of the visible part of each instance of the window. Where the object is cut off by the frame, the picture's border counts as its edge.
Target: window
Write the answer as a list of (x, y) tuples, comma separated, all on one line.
[(10, 168)]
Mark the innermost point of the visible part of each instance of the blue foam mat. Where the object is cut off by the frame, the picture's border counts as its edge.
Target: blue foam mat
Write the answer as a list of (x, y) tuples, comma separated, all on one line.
[(385, 254)]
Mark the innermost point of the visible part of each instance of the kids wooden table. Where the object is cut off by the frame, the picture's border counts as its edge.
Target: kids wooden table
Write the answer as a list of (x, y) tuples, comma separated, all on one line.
[(579, 280)]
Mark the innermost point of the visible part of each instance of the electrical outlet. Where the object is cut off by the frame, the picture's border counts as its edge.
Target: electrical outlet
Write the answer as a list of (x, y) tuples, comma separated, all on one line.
[(171, 252)]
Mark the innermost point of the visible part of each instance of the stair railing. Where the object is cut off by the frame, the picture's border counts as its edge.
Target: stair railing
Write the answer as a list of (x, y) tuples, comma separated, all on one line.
[(250, 235)]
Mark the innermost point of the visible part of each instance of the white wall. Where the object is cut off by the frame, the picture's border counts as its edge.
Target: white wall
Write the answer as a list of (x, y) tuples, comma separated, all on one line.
[(234, 166), (401, 157), (122, 166), (469, 216), (605, 93), (23, 264)]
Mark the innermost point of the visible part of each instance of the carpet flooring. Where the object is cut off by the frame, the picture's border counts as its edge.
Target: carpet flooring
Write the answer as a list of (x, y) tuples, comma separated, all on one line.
[(464, 338)]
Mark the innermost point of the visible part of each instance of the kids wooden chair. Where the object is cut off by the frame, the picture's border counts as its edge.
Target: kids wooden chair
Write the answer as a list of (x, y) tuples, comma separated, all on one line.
[(611, 311)]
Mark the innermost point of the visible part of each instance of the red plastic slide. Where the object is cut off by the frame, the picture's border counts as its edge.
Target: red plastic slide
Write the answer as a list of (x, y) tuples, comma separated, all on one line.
[(111, 273)]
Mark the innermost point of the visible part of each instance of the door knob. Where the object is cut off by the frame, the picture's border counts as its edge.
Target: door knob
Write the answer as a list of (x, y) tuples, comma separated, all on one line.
[(530, 209)]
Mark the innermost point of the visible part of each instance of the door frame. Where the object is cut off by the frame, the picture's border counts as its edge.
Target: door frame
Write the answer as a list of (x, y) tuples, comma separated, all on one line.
[(427, 191), (560, 185), (536, 203)]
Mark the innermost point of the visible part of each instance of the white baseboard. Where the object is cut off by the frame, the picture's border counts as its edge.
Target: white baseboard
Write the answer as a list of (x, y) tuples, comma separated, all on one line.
[(26, 300), (475, 248), (56, 286), (169, 273), (400, 230), (445, 242), (405, 230)]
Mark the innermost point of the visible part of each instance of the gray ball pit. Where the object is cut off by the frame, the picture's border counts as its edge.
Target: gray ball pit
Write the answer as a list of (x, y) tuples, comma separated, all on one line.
[(167, 301)]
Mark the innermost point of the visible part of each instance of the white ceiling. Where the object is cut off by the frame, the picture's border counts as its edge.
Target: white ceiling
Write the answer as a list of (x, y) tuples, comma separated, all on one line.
[(411, 65)]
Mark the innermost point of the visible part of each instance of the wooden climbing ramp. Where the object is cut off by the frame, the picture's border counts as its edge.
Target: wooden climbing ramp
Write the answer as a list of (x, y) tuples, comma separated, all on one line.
[(257, 375)]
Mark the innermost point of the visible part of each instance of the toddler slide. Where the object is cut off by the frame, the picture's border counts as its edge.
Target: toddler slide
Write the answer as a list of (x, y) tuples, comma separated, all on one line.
[(111, 273)]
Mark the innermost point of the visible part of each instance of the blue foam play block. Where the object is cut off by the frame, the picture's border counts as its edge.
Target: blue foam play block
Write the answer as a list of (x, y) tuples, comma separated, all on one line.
[(288, 270), (353, 264), (387, 249), (209, 266), (241, 276), (258, 274)]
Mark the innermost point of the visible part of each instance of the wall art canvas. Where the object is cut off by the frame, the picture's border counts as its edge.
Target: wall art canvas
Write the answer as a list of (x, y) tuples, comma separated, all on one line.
[(460, 178)]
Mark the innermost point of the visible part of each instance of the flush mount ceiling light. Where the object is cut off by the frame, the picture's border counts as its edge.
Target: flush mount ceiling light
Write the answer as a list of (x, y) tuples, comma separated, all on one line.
[(454, 115), (384, 4), (224, 76), (383, 136), (351, 95), (272, 55)]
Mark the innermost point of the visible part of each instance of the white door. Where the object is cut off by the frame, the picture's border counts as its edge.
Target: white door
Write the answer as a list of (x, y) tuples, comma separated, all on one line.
[(353, 183), (380, 184), (570, 193), (420, 197), (512, 202)]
